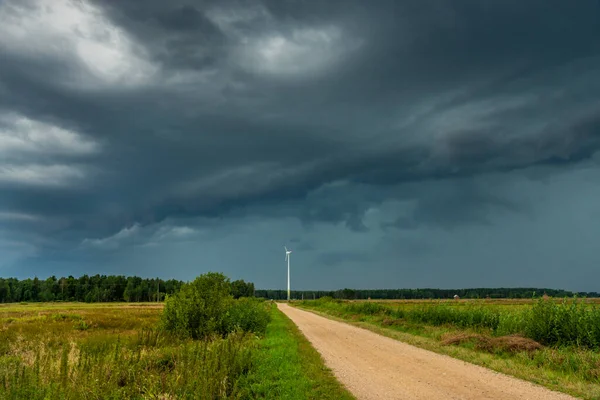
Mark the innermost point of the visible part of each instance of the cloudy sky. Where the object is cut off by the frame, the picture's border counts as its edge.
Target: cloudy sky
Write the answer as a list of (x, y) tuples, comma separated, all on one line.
[(424, 143)]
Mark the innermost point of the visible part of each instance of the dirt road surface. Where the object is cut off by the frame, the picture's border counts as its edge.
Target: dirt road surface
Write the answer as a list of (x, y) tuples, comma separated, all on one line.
[(372, 366)]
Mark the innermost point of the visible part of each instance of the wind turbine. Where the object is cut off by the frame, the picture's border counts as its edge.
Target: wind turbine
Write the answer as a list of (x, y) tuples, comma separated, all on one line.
[(287, 258)]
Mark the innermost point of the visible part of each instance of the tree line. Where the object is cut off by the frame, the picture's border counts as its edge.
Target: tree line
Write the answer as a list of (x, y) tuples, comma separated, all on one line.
[(398, 294), (96, 288), (99, 288), (114, 288)]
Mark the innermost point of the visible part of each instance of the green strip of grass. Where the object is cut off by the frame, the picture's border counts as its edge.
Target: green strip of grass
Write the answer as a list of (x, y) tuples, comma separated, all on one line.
[(288, 367)]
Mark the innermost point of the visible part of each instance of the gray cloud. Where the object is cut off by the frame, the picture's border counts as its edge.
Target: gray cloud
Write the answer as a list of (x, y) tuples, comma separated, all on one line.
[(335, 258), (149, 112)]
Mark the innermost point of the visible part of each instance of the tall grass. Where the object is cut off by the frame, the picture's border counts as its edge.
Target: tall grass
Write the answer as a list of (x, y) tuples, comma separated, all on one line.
[(547, 321), (45, 354), (440, 314), (426, 313), (368, 308), (113, 369), (563, 324)]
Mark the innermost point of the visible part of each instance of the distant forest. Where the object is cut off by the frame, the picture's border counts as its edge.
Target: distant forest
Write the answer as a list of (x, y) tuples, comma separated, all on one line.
[(385, 294), (114, 288), (99, 288)]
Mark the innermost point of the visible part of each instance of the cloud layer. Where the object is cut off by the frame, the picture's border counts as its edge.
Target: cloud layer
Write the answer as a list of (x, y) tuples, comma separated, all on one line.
[(382, 140)]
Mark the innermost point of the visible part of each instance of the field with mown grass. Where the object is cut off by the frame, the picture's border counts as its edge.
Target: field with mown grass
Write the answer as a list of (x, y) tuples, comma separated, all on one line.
[(117, 351), (552, 342)]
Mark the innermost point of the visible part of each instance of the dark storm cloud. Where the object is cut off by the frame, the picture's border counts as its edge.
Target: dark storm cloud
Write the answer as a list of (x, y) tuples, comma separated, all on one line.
[(247, 107), (178, 35), (335, 258), (451, 204)]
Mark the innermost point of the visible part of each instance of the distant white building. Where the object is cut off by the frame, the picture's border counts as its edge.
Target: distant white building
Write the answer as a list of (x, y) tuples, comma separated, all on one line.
[(456, 297)]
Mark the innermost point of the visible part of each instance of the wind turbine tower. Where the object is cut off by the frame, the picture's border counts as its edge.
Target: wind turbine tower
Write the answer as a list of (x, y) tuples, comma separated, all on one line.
[(287, 258)]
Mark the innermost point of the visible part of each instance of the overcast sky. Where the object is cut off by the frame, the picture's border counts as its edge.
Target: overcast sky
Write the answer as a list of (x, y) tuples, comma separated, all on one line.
[(389, 144)]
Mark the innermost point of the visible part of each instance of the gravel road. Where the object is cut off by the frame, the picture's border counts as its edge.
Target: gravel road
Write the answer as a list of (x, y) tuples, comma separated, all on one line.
[(372, 366)]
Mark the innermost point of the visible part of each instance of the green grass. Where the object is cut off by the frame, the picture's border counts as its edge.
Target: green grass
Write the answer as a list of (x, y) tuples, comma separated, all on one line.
[(568, 368), (288, 367)]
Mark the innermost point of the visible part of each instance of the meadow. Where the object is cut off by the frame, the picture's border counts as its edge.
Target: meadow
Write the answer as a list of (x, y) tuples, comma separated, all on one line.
[(553, 342), (129, 351), (216, 347)]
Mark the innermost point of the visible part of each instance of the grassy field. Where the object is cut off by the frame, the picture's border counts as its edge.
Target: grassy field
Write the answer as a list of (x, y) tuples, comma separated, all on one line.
[(550, 342), (115, 351)]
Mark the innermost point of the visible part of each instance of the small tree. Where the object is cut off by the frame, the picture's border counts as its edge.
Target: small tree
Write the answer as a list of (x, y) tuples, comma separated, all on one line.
[(240, 288), (200, 308)]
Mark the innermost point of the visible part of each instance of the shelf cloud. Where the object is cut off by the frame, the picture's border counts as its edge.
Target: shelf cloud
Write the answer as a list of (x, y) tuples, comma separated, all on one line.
[(400, 144)]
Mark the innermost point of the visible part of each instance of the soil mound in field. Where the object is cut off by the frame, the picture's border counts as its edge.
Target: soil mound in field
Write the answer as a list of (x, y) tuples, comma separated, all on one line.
[(460, 338), (510, 343)]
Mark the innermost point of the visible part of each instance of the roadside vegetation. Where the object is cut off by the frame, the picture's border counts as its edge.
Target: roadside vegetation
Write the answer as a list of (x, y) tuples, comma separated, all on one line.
[(205, 344), (548, 341), (288, 367)]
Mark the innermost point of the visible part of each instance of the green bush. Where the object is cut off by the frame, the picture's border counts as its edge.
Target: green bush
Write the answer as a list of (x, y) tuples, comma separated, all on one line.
[(81, 326), (248, 315), (205, 307), (199, 308)]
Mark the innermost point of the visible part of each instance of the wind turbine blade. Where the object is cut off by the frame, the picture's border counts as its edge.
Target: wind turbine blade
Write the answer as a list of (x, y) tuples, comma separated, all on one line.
[(285, 248)]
